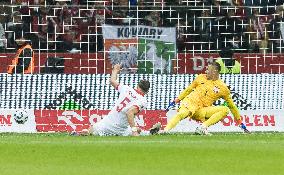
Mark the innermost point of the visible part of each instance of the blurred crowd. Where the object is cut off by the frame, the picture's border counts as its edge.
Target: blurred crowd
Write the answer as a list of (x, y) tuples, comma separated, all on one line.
[(250, 26)]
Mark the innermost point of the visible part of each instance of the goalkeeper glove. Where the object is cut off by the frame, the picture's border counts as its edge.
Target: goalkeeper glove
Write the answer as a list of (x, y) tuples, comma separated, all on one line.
[(172, 104), (243, 127)]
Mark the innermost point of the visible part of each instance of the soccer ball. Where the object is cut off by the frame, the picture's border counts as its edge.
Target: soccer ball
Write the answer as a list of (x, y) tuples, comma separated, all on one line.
[(21, 116)]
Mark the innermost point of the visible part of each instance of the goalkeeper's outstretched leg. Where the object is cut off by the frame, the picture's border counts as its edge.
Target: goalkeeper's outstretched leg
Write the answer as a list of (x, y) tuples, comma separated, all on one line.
[(183, 112)]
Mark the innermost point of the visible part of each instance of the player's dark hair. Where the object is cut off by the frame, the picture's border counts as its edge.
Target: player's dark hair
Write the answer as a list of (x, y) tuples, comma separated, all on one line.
[(144, 85), (216, 65)]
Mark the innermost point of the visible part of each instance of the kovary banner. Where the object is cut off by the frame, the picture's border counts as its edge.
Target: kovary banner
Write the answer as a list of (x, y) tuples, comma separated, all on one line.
[(140, 49)]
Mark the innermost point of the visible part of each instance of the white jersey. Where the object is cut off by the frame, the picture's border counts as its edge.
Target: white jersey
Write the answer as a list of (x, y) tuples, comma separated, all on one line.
[(116, 123)]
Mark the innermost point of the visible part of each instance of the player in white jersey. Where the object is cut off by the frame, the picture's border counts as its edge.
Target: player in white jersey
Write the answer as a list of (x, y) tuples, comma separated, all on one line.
[(120, 120)]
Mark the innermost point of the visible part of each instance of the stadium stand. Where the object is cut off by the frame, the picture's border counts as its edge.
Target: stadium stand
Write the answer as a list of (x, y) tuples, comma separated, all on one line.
[(165, 41)]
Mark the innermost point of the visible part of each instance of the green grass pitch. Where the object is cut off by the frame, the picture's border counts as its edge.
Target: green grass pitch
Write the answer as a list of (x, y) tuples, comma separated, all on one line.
[(220, 154)]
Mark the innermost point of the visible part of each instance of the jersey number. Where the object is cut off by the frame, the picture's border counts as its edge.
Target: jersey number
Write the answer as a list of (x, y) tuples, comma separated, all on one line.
[(122, 104)]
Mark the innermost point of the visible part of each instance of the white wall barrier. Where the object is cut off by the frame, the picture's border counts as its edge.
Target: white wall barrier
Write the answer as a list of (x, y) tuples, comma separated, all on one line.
[(93, 91)]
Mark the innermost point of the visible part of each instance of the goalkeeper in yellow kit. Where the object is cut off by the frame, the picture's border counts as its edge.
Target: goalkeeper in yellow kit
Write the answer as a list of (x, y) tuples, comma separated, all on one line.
[(197, 100)]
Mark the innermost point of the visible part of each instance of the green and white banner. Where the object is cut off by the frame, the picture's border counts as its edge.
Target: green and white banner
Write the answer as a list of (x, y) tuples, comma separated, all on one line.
[(140, 49)]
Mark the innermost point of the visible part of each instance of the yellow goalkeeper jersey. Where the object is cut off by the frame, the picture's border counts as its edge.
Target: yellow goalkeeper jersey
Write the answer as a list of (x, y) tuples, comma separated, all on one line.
[(204, 93)]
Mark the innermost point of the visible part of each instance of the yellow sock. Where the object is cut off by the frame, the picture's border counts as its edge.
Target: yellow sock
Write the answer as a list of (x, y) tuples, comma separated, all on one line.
[(178, 117), (216, 117)]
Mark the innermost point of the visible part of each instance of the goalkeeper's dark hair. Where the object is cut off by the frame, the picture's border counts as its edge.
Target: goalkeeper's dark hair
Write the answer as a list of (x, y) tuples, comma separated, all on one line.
[(216, 65), (144, 85)]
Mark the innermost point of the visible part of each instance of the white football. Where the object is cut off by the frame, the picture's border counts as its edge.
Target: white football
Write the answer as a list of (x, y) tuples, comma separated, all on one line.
[(21, 116)]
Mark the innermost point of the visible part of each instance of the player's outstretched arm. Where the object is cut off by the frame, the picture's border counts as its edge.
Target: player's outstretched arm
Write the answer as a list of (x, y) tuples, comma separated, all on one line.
[(188, 90), (183, 94), (132, 111), (113, 78)]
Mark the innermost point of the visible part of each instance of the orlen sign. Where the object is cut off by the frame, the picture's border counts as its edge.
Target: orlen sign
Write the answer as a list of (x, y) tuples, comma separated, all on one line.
[(255, 120), (11, 121), (264, 120), (67, 121), (6, 120), (76, 120)]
